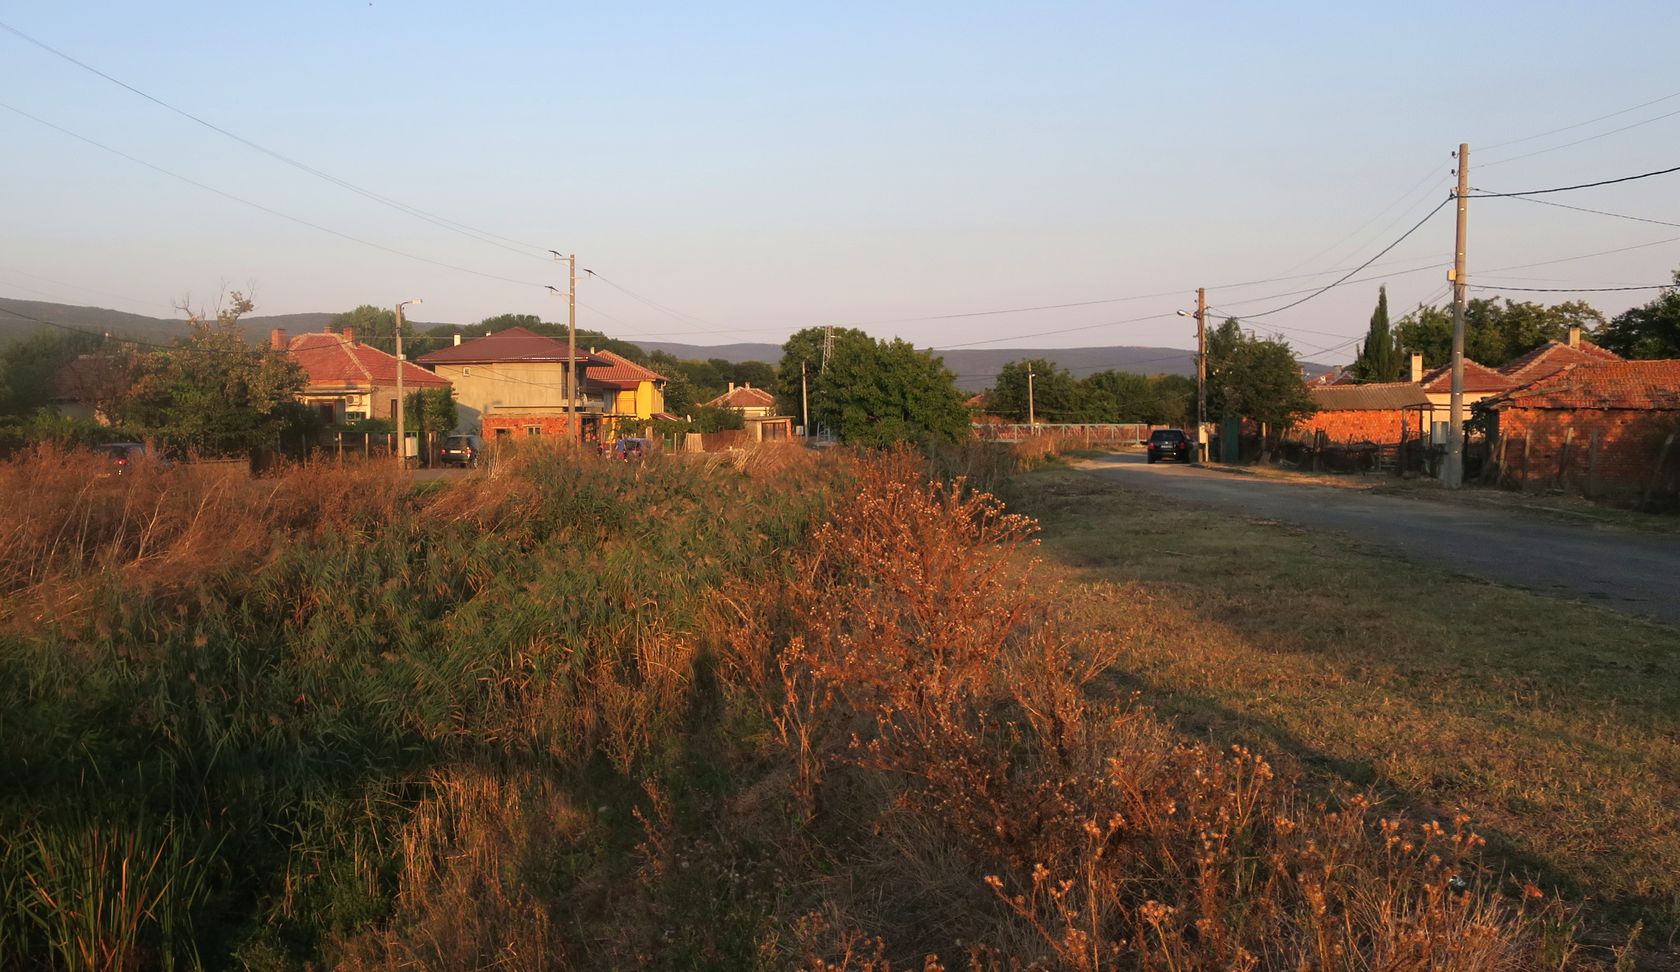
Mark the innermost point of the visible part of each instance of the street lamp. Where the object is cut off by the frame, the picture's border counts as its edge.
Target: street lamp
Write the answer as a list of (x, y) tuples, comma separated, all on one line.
[(402, 441)]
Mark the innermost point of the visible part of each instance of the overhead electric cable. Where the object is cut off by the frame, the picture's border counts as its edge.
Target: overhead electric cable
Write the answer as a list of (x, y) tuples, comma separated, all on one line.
[(483, 236), (1579, 141), (1571, 290), (259, 206), (1590, 121), (1584, 209), (1584, 185)]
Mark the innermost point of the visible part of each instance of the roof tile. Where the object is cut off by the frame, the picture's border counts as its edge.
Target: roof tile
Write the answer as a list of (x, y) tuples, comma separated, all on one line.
[(333, 359), (1603, 384)]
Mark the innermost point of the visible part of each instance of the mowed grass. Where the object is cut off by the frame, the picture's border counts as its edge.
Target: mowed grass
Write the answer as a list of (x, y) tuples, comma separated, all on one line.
[(1554, 725)]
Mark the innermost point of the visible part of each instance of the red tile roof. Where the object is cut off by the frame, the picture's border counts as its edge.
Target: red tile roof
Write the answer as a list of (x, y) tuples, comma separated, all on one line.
[(745, 396), (1603, 384), (1549, 358), (512, 344), (335, 360), (617, 371), (1478, 377)]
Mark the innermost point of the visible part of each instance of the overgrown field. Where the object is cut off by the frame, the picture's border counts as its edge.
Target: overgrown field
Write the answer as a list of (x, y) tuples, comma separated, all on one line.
[(1554, 725), (792, 712)]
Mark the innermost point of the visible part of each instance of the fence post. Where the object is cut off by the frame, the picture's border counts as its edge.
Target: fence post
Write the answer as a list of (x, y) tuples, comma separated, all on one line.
[(1499, 463), (1523, 485), (1563, 457), (1656, 473), (1592, 464)]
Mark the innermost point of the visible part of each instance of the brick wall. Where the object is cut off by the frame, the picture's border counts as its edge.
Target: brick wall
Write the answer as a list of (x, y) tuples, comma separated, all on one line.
[(1560, 451), (1381, 426), (518, 426)]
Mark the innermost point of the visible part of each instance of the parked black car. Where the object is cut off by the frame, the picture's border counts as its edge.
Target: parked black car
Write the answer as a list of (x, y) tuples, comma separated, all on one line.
[(1169, 444), (123, 455), (461, 450)]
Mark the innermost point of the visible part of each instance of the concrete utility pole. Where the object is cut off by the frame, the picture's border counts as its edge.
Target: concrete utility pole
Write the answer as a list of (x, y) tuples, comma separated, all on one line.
[(805, 400), (1201, 372), (1452, 471), (402, 441), (1032, 418), (572, 428)]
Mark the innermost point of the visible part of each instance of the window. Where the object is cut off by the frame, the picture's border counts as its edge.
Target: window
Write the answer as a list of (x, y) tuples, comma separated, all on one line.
[(393, 409), (533, 430), (504, 433), (465, 372)]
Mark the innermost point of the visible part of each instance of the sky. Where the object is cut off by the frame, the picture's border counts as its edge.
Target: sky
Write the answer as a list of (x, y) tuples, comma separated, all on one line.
[(734, 172)]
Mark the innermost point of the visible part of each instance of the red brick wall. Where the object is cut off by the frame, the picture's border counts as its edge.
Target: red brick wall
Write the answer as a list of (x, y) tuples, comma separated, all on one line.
[(1384, 427), (1629, 442), (549, 425)]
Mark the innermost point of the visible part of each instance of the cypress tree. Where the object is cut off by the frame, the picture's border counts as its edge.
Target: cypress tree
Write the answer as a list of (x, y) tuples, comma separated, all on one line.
[(1379, 358)]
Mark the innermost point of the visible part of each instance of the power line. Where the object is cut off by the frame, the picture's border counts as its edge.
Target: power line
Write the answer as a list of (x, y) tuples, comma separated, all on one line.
[(1583, 256), (1402, 238), (1584, 185), (1572, 290), (1579, 141), (1064, 330), (483, 236), (1584, 209), (259, 206), (1590, 121)]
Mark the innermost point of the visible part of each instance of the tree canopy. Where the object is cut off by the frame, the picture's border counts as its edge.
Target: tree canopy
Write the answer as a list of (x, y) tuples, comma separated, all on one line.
[(1495, 331), (212, 392), (1651, 330), (374, 326), (1255, 378), (873, 392), (1380, 357)]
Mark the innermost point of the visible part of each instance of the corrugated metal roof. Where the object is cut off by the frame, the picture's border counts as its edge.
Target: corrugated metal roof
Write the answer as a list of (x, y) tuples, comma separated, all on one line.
[(1362, 398)]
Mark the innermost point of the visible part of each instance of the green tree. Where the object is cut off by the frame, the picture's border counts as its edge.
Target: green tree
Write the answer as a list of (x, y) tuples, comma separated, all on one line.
[(1651, 330), (28, 366), (1255, 378), (374, 326), (1379, 358), (1495, 332), (1121, 396), (431, 410), (1056, 395), (711, 418), (873, 392), (212, 393)]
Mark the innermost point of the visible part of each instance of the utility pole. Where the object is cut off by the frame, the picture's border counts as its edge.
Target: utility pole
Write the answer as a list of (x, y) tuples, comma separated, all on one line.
[(402, 441), (1201, 372), (572, 428), (1452, 471), (805, 400), (1032, 416)]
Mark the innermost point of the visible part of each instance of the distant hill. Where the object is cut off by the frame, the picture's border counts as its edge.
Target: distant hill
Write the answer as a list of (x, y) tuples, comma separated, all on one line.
[(975, 367)]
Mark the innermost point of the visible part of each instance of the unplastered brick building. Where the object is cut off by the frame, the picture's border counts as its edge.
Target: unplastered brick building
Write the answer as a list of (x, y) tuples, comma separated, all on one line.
[(1605, 428), (1386, 413)]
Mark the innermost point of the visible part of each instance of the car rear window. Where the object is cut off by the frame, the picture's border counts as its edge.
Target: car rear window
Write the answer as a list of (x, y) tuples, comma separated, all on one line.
[(1163, 435)]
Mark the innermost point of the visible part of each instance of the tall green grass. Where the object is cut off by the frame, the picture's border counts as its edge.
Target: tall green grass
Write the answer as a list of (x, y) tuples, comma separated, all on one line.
[(222, 701)]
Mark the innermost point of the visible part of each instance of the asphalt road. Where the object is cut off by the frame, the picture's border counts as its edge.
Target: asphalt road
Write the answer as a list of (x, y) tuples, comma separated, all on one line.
[(1621, 569)]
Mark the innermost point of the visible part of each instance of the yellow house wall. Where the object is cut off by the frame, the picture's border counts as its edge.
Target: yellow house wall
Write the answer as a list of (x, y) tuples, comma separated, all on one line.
[(519, 384)]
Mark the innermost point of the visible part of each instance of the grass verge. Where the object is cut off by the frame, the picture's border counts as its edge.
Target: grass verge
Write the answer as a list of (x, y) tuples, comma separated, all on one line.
[(1554, 726)]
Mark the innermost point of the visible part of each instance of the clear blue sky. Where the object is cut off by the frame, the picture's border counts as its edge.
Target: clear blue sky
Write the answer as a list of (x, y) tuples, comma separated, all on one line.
[(763, 167)]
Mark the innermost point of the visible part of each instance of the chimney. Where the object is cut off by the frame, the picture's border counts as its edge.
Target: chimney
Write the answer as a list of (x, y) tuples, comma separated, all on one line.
[(457, 339), (350, 335), (731, 388), (1574, 335), (1417, 367), (277, 339)]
